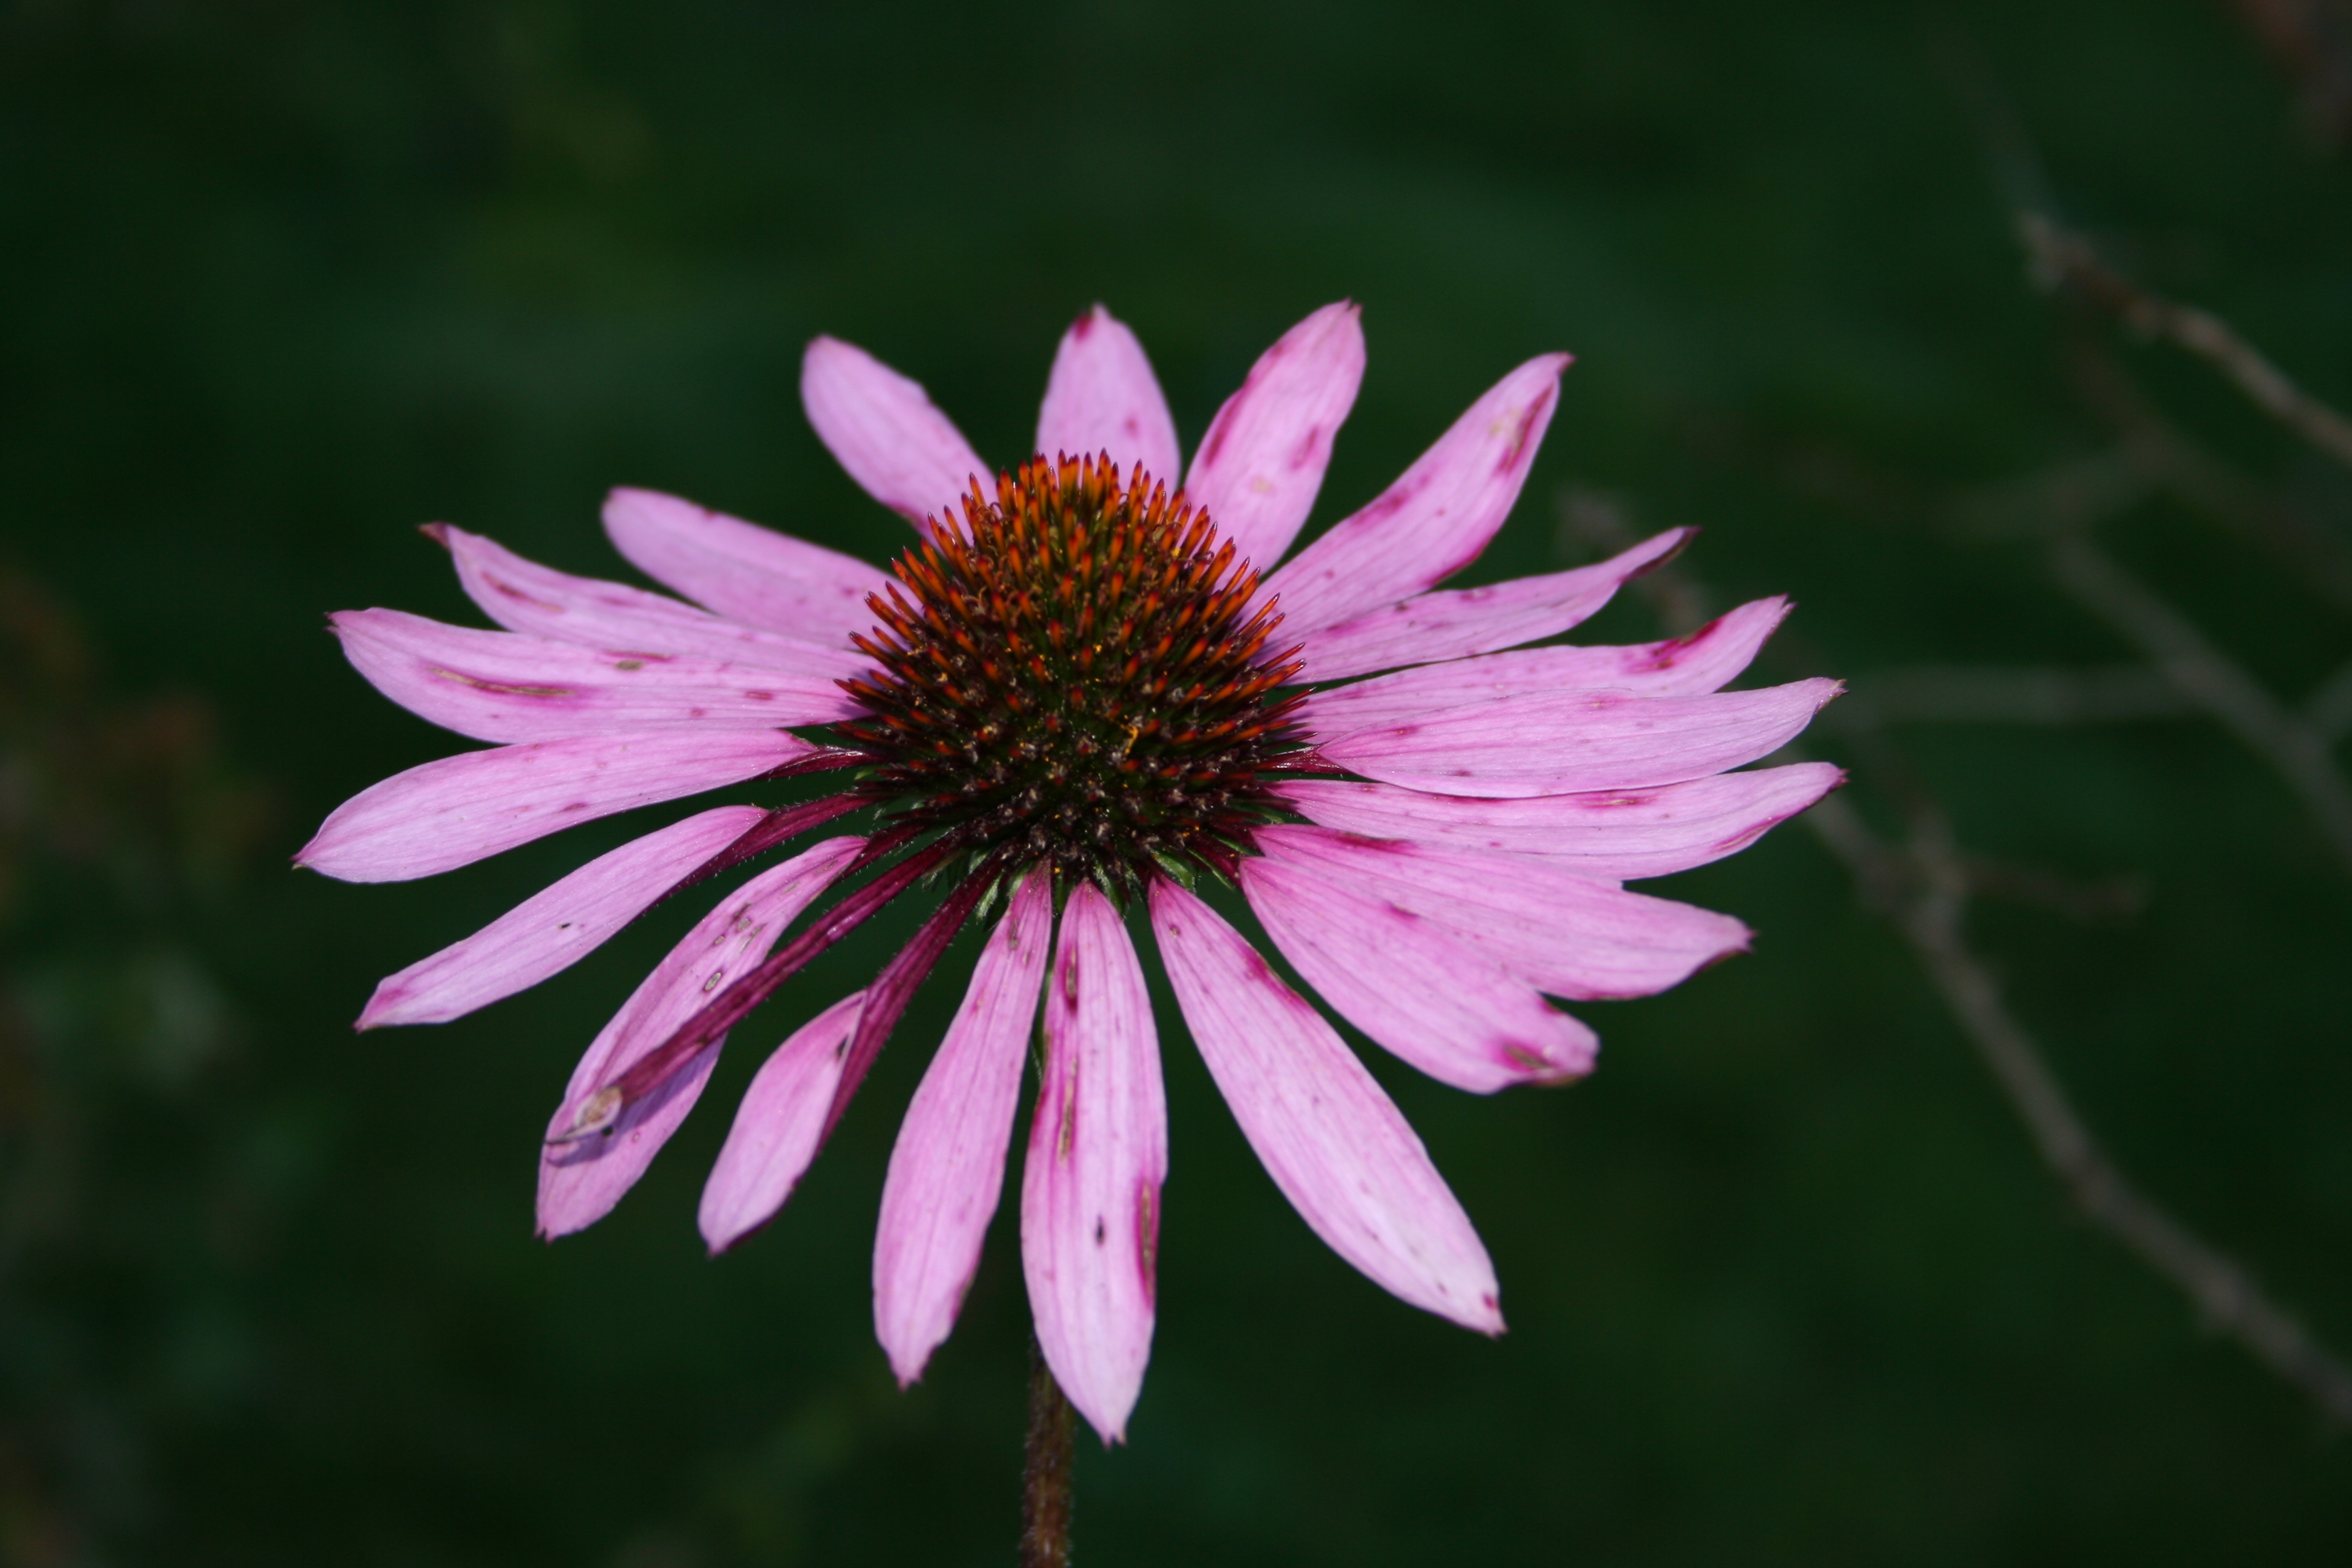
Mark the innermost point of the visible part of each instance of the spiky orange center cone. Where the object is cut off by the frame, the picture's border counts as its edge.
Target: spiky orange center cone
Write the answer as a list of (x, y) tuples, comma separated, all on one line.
[(1075, 674)]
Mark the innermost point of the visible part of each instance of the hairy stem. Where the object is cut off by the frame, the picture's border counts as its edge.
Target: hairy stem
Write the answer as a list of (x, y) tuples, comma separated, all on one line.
[(1046, 1474)]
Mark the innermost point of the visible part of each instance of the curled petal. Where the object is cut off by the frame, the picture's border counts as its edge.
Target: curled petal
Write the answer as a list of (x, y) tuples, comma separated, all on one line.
[(1098, 1156), (948, 1167), (499, 686), (524, 596), (1458, 622), (1332, 1141), (1613, 834), (1420, 989), (1684, 667), (1263, 459), (778, 1129), (1570, 742), (884, 429), (1102, 398), (582, 1176), (552, 931), (1568, 934), (744, 572), (456, 810), (1438, 515)]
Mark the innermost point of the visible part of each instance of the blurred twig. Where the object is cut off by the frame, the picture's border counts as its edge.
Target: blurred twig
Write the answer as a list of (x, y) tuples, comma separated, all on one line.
[(2202, 673), (1588, 519), (2111, 898), (1963, 694), (2328, 710), (1924, 884), (2074, 492), (2168, 456), (1923, 887), (2062, 258), (2311, 39)]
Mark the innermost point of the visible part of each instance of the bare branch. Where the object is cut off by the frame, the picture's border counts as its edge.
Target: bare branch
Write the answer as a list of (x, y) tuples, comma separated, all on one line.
[(1923, 888), (2211, 679), (1590, 520), (2328, 710), (2318, 555), (2062, 258), (1963, 694), (2077, 493), (2311, 40), (2115, 898)]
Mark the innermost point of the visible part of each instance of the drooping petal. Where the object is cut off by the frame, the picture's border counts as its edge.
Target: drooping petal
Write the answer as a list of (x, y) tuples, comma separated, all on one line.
[(1570, 742), (744, 572), (1102, 398), (1438, 515), (894, 988), (884, 431), (1419, 989), (948, 1168), (1455, 623), (454, 811), (1685, 667), (1568, 934), (579, 1179), (500, 686), (1261, 462), (778, 1128), (524, 596), (1098, 1156), (1614, 835), (551, 932), (1330, 1138)]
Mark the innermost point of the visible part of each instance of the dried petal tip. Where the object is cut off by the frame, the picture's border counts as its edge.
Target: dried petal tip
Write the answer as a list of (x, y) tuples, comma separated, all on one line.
[(597, 1114)]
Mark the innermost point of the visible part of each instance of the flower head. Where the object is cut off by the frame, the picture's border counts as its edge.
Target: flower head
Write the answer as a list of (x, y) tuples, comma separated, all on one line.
[(1077, 693)]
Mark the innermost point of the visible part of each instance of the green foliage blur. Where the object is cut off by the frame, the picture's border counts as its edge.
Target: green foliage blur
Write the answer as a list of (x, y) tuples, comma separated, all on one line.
[(281, 279)]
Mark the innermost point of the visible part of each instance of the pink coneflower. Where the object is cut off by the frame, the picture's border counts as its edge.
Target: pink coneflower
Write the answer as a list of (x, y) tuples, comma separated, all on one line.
[(1074, 697)]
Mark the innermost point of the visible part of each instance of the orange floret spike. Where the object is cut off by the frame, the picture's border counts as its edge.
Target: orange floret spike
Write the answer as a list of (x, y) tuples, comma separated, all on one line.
[(1048, 631)]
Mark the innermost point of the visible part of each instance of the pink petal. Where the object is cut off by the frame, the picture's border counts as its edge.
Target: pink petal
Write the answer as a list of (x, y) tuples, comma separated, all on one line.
[(1263, 459), (1102, 398), (1436, 518), (1419, 989), (1566, 742), (779, 1127), (1689, 666), (581, 1179), (1613, 834), (1459, 622), (1097, 1155), (744, 572), (547, 933), (499, 686), (1332, 1141), (948, 1168), (456, 810), (1567, 934), (883, 428), (524, 596)]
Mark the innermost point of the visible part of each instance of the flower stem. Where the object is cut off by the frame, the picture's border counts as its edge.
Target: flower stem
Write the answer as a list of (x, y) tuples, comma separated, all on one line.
[(1045, 1476)]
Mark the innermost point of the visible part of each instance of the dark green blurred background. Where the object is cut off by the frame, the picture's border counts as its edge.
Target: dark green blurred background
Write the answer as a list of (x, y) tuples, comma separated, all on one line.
[(281, 280)]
